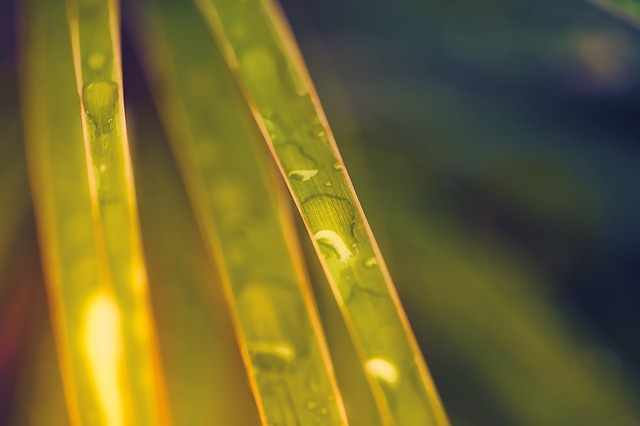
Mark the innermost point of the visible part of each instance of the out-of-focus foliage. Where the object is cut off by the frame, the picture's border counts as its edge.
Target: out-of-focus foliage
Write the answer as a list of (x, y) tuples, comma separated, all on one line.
[(514, 127), (14, 191), (626, 9)]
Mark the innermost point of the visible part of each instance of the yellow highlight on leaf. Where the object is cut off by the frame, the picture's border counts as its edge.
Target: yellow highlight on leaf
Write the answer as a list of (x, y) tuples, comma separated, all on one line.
[(104, 349)]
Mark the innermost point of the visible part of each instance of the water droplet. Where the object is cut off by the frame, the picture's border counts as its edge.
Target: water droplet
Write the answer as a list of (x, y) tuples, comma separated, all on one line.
[(318, 131), (270, 315), (371, 262), (328, 184), (382, 370), (303, 175), (97, 61), (336, 243), (347, 276), (313, 381), (270, 356), (331, 213), (311, 405), (337, 166), (102, 168), (100, 102), (270, 127), (324, 411)]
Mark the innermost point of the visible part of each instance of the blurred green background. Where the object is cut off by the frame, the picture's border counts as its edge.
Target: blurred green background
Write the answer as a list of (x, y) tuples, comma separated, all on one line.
[(495, 146)]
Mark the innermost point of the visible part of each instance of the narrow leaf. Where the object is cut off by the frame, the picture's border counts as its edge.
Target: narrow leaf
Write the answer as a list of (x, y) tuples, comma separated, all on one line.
[(86, 213)]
